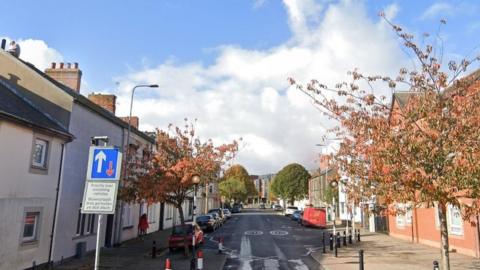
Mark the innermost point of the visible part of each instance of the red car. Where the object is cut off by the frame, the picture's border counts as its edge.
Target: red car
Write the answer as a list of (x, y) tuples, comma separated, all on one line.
[(315, 217), (181, 233)]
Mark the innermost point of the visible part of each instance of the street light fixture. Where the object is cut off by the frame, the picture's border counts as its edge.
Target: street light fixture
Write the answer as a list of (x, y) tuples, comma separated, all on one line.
[(195, 180), (125, 174)]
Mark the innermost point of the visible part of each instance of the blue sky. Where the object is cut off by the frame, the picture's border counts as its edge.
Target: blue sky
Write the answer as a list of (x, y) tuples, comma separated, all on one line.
[(225, 62), (110, 39)]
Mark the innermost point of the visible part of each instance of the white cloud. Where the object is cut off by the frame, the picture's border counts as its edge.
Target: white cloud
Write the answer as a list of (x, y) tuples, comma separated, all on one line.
[(391, 11), (37, 52), (244, 93), (437, 9)]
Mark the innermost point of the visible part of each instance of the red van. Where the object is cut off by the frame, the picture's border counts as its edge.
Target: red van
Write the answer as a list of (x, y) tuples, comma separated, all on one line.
[(315, 217)]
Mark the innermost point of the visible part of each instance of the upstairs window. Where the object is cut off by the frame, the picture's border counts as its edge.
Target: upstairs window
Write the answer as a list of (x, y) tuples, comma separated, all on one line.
[(40, 152)]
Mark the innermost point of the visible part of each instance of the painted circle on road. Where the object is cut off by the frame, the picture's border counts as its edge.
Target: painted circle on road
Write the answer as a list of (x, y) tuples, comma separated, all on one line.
[(278, 232), (253, 232)]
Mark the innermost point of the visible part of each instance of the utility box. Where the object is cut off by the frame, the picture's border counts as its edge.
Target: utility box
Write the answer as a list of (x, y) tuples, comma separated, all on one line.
[(81, 249)]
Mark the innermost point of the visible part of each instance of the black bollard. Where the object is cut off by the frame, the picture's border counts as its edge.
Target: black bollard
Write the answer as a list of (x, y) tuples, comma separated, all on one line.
[(435, 265), (360, 259), (154, 250), (358, 235), (339, 243), (336, 249), (323, 246), (344, 238), (350, 237), (331, 242), (192, 264)]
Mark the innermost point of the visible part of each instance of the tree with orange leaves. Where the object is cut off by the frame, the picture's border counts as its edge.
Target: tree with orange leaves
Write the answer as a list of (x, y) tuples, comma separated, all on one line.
[(179, 155), (423, 148)]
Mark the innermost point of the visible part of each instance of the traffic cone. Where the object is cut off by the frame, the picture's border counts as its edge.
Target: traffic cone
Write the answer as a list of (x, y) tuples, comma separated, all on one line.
[(167, 264), (199, 260)]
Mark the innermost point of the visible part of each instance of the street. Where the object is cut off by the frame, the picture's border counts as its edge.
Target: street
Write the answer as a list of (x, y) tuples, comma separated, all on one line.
[(264, 239)]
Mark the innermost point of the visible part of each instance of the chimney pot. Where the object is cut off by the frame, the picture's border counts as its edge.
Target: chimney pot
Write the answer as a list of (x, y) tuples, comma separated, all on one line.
[(69, 77), (75, 65)]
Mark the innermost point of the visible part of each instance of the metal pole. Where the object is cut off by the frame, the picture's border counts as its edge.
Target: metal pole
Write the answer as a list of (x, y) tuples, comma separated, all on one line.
[(360, 260), (192, 264), (97, 248)]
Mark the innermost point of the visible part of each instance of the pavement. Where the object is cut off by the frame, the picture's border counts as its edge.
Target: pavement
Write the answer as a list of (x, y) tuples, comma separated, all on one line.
[(384, 252), (135, 254)]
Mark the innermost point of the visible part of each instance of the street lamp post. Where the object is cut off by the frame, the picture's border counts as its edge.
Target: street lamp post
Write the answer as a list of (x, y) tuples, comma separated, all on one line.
[(195, 181), (125, 174)]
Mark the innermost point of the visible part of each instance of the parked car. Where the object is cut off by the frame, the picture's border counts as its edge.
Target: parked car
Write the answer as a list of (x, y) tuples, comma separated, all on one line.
[(277, 207), (315, 217), (182, 233), (290, 209), (219, 212), (236, 209), (296, 215), (227, 213), (262, 206), (206, 222), (218, 219)]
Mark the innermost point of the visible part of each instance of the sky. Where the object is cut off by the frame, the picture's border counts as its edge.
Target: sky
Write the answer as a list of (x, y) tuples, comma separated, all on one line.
[(226, 63)]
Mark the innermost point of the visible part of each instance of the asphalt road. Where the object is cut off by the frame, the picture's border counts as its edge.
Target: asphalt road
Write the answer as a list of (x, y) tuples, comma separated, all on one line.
[(263, 239)]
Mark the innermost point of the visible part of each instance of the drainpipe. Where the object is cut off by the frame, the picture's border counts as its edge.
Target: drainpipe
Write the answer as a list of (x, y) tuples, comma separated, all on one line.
[(52, 234)]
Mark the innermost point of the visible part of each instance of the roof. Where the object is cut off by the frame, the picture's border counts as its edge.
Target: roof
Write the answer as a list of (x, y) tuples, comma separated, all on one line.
[(402, 97), (90, 104), (17, 109)]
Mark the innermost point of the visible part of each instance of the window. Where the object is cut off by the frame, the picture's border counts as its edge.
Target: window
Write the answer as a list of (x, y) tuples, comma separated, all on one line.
[(400, 219), (455, 220), (40, 151), (342, 208), (169, 211), (408, 215), (30, 226), (85, 223), (127, 216), (151, 213)]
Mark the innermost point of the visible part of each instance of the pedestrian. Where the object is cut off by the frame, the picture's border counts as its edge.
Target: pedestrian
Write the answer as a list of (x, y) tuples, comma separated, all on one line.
[(142, 225)]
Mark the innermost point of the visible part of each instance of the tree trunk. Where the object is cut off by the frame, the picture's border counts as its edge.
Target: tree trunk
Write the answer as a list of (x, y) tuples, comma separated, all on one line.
[(182, 220), (442, 214), (180, 213)]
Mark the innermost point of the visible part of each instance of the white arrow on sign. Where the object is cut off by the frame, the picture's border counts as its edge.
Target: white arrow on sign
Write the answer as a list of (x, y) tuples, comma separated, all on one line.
[(101, 157)]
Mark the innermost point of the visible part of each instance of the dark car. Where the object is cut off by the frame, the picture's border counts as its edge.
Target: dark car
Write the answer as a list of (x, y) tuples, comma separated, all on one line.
[(296, 215), (219, 212), (236, 209), (206, 222), (182, 235)]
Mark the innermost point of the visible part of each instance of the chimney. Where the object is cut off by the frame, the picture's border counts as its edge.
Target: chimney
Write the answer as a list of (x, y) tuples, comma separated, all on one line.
[(70, 76), (134, 121), (105, 101)]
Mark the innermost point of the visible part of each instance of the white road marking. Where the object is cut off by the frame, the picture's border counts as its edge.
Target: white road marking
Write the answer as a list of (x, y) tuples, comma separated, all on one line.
[(299, 265), (271, 264), (245, 254), (253, 233), (277, 232)]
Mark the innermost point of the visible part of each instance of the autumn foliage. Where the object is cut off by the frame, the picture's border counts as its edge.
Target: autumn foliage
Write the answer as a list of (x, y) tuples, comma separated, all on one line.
[(167, 176), (420, 148)]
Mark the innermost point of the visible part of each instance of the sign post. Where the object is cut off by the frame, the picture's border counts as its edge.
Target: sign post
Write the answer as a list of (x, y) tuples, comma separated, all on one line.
[(101, 187)]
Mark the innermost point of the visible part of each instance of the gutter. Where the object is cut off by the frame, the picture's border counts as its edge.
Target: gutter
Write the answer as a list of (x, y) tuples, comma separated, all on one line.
[(52, 234)]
